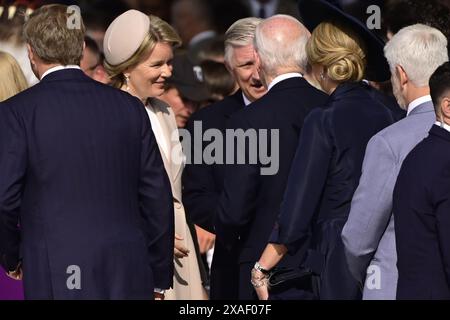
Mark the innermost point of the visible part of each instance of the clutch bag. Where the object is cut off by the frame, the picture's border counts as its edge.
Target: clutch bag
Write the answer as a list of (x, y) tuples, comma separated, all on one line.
[(282, 276)]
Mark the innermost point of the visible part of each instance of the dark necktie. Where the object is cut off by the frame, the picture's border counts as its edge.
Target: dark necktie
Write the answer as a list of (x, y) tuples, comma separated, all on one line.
[(262, 12)]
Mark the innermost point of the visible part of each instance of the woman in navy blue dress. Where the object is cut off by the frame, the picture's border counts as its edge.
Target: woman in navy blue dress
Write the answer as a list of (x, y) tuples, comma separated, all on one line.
[(327, 166)]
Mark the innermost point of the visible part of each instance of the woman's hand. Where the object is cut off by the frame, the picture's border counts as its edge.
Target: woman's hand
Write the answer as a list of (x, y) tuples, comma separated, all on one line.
[(180, 251), (259, 281), (16, 274), (262, 292)]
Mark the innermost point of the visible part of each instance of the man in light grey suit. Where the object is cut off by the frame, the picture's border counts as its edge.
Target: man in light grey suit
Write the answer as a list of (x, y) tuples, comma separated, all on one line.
[(414, 53)]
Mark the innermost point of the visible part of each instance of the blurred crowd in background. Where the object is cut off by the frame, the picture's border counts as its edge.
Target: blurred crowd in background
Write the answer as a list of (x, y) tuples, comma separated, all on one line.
[(201, 25)]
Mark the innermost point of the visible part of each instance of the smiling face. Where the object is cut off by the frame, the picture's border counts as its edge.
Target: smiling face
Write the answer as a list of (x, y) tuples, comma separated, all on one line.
[(244, 69), (147, 79)]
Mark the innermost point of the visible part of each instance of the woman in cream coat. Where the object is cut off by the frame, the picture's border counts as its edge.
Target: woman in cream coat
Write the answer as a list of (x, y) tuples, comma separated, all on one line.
[(138, 51)]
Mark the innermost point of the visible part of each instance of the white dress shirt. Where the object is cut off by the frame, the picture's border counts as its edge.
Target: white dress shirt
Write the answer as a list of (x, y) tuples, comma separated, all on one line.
[(283, 77), (246, 100), (57, 68), (415, 103)]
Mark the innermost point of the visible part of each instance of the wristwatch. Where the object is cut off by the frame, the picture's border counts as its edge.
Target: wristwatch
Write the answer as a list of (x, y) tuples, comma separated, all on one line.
[(258, 267)]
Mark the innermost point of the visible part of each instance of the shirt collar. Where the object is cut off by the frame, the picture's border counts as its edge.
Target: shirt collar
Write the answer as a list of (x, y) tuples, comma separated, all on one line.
[(57, 68), (284, 77), (246, 100), (443, 126), (415, 103)]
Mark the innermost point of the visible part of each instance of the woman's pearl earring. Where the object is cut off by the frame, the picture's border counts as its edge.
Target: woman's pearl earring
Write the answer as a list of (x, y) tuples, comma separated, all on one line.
[(127, 80), (322, 76)]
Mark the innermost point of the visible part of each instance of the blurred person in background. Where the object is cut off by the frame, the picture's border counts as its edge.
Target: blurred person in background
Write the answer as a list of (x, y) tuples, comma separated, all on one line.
[(186, 91), (193, 20), (215, 50), (91, 57), (219, 81), (402, 13), (267, 8), (12, 81), (159, 8), (92, 62), (140, 63), (98, 15), (12, 18)]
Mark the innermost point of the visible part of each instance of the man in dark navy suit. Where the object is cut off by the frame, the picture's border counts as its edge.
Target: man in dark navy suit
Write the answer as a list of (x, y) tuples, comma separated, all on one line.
[(85, 204), (203, 182), (253, 191), (422, 206)]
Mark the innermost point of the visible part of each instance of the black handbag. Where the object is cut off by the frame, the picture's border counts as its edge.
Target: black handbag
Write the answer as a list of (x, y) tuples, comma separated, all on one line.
[(284, 276)]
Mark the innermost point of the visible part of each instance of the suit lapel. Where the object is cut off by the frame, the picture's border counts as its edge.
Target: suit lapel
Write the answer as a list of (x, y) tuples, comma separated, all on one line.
[(173, 166)]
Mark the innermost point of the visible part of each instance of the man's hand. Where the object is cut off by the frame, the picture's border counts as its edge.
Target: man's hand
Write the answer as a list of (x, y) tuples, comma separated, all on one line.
[(180, 251), (158, 296), (206, 239), (16, 274)]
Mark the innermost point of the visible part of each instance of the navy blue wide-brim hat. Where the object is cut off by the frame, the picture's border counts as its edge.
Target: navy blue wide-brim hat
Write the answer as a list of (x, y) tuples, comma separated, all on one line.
[(313, 12)]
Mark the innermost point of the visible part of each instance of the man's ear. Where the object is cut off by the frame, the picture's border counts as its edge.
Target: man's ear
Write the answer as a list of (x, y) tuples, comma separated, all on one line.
[(31, 54), (445, 107), (401, 75)]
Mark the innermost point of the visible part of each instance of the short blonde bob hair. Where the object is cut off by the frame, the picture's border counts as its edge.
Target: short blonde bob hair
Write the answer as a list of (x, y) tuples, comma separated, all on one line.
[(339, 50), (12, 80), (159, 31)]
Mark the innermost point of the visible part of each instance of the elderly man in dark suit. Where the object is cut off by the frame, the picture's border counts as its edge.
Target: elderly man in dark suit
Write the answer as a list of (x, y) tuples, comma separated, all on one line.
[(422, 206), (368, 234), (252, 194), (82, 175), (203, 183)]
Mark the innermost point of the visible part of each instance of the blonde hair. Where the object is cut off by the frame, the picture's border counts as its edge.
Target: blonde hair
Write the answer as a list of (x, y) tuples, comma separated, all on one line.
[(47, 32), (240, 34), (12, 80), (339, 50), (160, 31)]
